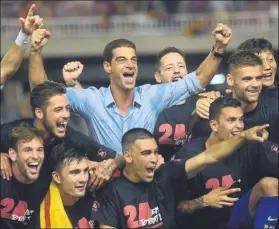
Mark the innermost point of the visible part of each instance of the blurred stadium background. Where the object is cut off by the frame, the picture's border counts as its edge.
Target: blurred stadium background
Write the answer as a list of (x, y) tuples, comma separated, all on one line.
[(81, 29)]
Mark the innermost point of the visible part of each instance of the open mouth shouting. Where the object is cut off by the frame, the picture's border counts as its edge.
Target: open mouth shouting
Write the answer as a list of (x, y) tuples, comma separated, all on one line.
[(176, 78), (150, 171), (128, 77), (61, 126), (33, 167)]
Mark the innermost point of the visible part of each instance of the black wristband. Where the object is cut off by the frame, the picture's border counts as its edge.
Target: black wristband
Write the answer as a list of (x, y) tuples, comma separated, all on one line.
[(217, 54)]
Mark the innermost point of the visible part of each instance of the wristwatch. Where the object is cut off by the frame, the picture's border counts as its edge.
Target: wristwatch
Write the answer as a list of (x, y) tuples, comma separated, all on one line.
[(217, 54)]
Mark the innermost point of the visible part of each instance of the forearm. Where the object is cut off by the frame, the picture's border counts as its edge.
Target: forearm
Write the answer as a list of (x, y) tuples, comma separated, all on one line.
[(75, 85), (189, 206), (209, 67), (221, 150), (11, 62), (212, 155), (37, 74)]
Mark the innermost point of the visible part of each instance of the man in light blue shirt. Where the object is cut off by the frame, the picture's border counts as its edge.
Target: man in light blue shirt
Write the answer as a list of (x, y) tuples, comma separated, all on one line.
[(110, 112)]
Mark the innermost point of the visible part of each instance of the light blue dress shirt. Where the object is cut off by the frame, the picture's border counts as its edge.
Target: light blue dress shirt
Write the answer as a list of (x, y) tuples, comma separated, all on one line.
[(105, 122)]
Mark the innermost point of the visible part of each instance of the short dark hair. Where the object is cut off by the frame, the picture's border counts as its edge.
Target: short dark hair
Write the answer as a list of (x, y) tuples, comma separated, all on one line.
[(107, 54), (240, 59), (164, 52), (41, 94), (256, 45), (24, 133), (217, 105), (64, 153), (134, 134)]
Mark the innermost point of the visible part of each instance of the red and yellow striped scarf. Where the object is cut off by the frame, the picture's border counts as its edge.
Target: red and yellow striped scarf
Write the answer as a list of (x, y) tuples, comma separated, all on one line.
[(52, 212)]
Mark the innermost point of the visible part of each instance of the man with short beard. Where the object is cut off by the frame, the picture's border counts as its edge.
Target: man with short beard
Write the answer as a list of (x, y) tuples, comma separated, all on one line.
[(51, 112), (245, 78), (21, 195), (111, 111)]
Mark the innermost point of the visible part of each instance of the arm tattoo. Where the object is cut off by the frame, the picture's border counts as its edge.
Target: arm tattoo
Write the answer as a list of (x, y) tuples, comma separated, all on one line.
[(189, 206)]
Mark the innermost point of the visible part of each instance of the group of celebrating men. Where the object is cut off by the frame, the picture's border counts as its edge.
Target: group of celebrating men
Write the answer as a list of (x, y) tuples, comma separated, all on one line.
[(169, 155)]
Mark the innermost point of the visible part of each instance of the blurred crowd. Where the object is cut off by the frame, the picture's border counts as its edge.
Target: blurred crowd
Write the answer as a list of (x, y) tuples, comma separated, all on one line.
[(157, 9)]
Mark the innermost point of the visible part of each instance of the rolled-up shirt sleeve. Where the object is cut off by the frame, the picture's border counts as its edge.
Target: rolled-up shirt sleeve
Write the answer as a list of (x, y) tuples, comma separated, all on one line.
[(169, 94), (80, 98)]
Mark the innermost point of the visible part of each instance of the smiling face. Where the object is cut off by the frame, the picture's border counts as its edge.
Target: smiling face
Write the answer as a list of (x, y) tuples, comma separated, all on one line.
[(269, 67), (72, 178), (229, 123), (246, 83), (123, 68), (28, 158), (56, 115), (172, 68), (142, 158)]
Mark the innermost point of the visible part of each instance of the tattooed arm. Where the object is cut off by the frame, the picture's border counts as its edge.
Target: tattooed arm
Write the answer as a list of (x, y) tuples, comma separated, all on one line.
[(217, 198)]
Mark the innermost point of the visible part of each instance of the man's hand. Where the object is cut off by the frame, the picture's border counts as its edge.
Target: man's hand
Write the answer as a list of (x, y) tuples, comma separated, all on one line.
[(222, 34), (71, 72), (31, 22), (204, 101), (257, 133), (39, 39), (100, 173), (6, 171), (218, 198)]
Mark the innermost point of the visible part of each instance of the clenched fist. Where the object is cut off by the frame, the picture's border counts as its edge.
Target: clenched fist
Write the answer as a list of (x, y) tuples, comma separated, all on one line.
[(222, 34), (39, 39), (71, 72)]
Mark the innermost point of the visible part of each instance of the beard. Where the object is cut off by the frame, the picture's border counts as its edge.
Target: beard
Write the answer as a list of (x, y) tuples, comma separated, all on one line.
[(241, 96), (49, 128)]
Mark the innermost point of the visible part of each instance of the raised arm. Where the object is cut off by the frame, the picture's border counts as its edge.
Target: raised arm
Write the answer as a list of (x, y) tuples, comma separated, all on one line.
[(221, 150), (13, 58), (71, 72), (210, 65), (37, 74)]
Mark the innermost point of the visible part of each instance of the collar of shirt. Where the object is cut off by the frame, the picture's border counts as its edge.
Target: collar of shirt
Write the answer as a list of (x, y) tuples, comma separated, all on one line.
[(109, 98)]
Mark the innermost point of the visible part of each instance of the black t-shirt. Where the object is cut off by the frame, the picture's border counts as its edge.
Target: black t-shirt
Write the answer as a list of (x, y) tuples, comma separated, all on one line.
[(125, 204), (265, 113), (171, 129), (272, 92), (19, 202), (249, 163), (81, 215), (96, 152)]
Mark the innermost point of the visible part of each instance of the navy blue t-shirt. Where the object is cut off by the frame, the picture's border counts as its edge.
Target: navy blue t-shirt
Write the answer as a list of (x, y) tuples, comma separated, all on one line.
[(249, 163), (172, 129), (125, 204)]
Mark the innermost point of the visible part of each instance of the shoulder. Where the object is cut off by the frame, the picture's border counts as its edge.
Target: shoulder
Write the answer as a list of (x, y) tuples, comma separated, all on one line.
[(192, 148), (15, 123)]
